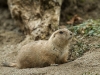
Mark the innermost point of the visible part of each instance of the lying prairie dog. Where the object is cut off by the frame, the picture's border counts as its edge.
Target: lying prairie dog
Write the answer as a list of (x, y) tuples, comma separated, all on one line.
[(44, 52)]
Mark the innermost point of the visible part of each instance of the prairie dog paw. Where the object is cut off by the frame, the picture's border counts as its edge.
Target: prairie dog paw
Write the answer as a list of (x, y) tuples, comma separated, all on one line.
[(54, 64)]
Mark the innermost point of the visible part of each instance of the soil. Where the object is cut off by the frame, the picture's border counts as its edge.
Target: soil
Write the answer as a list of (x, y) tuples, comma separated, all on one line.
[(10, 44), (84, 8)]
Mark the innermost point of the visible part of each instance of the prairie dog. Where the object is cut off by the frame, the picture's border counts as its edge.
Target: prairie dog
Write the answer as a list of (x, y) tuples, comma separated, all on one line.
[(44, 53)]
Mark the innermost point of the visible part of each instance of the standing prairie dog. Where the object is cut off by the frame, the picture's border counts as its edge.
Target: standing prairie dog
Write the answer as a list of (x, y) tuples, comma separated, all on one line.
[(44, 53)]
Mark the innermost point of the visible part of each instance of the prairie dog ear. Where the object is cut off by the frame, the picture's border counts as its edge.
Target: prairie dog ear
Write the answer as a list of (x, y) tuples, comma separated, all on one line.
[(55, 34)]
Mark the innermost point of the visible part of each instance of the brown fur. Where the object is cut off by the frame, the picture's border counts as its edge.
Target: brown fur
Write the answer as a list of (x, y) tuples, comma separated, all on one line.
[(44, 53)]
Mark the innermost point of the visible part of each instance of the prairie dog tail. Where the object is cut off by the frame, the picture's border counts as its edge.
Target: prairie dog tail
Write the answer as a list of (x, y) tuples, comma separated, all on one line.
[(9, 64)]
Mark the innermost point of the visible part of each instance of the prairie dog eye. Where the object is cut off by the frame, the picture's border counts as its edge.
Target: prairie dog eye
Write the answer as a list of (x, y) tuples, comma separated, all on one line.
[(61, 32), (70, 33)]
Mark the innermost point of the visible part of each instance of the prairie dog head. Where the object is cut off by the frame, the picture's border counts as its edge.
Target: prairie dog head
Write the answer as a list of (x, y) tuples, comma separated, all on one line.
[(61, 37)]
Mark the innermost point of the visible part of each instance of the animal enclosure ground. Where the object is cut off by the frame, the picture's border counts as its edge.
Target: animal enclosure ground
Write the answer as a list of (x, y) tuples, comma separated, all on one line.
[(10, 44)]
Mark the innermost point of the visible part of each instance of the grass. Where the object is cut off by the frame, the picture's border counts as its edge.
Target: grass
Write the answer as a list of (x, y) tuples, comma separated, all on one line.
[(83, 32), (88, 28)]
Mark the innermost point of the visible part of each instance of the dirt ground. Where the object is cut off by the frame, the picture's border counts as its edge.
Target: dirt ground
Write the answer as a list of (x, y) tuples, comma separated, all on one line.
[(10, 39)]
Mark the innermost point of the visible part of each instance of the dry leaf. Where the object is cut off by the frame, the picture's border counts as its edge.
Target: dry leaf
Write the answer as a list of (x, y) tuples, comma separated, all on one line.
[(75, 19)]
